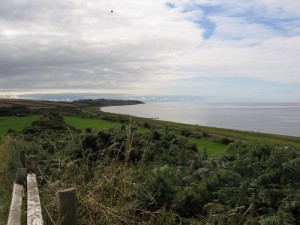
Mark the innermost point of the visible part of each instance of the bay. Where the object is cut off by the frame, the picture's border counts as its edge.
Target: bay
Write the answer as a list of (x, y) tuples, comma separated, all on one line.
[(274, 118)]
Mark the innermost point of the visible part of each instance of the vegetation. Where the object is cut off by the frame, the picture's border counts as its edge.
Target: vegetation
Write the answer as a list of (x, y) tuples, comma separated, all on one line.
[(158, 177), (97, 124), (6, 183), (92, 123), (11, 123), (107, 102), (212, 148), (130, 170), (91, 108), (220, 133)]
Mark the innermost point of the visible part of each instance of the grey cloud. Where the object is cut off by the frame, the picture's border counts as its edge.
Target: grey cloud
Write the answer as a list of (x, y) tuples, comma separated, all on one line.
[(68, 45)]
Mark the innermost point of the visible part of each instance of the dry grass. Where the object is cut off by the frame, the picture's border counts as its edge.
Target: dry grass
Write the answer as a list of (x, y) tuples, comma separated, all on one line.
[(105, 190), (101, 193), (6, 183)]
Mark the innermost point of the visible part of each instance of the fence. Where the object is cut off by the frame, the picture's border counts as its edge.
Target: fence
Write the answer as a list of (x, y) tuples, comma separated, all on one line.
[(25, 189)]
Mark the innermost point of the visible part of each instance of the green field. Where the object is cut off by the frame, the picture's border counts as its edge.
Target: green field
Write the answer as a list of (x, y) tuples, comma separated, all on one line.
[(212, 148), (15, 123), (19, 123), (95, 124)]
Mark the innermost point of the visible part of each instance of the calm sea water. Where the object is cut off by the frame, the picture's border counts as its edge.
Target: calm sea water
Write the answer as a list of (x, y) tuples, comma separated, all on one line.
[(272, 118)]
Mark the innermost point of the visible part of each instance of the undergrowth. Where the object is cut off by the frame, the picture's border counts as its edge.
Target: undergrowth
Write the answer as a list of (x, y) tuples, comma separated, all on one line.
[(6, 179), (125, 177)]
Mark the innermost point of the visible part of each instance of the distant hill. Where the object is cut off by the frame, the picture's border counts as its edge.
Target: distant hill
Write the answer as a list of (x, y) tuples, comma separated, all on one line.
[(107, 102), (22, 107)]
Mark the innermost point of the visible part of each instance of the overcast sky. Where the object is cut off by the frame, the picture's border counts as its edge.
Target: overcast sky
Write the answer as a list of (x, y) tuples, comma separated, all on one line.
[(225, 49)]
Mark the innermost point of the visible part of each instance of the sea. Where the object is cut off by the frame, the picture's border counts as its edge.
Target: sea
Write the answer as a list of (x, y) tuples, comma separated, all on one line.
[(273, 118)]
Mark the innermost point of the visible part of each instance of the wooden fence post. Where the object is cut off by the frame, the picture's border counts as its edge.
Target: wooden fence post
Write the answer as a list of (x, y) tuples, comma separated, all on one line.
[(21, 176), (22, 159), (32, 164), (67, 207)]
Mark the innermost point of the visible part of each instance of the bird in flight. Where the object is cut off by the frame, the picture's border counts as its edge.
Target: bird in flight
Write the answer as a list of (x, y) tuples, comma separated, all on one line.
[(111, 11)]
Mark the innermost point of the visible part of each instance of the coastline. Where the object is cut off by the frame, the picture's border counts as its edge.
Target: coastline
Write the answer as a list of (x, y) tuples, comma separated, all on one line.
[(276, 139)]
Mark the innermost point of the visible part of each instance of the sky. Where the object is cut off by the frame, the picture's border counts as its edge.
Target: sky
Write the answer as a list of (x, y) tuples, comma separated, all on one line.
[(245, 50)]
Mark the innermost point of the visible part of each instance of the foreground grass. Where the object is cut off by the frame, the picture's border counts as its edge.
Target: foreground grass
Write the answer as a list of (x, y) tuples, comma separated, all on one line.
[(6, 179), (160, 179), (15, 123)]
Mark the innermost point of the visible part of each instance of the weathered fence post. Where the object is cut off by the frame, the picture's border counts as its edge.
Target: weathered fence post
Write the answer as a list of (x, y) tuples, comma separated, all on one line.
[(15, 212), (22, 159), (34, 209), (67, 207), (32, 164), (21, 176)]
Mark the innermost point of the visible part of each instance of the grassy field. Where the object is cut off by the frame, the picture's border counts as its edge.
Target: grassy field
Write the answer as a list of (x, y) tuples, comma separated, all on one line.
[(15, 123), (95, 124), (19, 123), (212, 148)]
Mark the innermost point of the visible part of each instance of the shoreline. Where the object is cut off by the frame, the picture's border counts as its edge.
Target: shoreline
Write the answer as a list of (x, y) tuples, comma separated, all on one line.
[(238, 120), (276, 139)]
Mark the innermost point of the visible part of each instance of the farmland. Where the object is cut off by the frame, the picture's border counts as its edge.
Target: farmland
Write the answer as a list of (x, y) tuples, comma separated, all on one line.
[(15, 123)]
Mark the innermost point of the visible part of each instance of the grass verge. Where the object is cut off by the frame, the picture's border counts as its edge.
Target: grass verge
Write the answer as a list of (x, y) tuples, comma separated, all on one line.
[(6, 182)]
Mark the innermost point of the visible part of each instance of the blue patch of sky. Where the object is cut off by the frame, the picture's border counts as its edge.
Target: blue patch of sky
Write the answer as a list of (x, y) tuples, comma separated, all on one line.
[(206, 9), (209, 27), (251, 16), (170, 5), (277, 24), (204, 22)]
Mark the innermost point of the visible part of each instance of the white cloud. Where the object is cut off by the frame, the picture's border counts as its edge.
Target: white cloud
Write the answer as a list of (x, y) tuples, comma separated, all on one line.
[(81, 44), (69, 46), (243, 46)]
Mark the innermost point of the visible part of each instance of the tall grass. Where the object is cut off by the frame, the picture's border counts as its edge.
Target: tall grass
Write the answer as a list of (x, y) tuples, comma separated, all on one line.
[(6, 180), (106, 191)]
